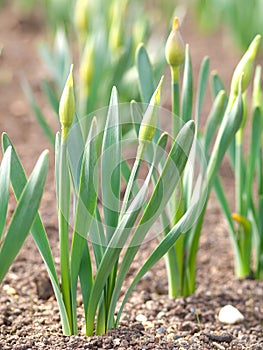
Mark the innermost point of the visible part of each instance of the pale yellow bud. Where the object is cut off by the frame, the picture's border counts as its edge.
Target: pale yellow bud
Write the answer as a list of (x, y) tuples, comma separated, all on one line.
[(67, 105), (150, 119), (245, 67), (81, 18), (115, 33), (175, 49), (86, 67)]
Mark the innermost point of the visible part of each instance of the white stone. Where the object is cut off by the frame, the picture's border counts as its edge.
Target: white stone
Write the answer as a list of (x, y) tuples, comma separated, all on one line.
[(9, 290), (141, 318), (230, 315), (117, 341)]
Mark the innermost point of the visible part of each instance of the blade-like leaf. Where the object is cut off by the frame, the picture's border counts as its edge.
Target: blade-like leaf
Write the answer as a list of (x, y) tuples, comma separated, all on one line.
[(18, 180), (229, 126), (214, 118), (52, 98), (254, 150), (187, 90), (24, 214), (39, 115), (145, 72), (110, 167), (113, 250), (4, 187), (85, 210), (163, 247), (201, 90), (163, 190), (217, 84), (137, 116)]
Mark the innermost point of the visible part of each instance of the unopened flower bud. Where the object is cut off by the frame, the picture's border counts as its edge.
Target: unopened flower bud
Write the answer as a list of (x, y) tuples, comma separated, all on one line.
[(245, 67), (115, 34), (174, 49), (81, 18), (244, 222), (86, 67), (67, 105), (150, 119)]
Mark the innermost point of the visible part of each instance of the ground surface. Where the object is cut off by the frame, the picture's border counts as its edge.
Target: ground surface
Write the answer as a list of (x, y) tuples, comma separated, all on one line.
[(150, 320)]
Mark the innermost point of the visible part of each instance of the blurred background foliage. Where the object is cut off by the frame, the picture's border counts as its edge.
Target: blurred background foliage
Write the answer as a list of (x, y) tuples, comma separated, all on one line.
[(241, 19), (101, 38)]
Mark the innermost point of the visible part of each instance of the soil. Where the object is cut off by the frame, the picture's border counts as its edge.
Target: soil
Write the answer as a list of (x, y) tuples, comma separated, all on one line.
[(29, 317)]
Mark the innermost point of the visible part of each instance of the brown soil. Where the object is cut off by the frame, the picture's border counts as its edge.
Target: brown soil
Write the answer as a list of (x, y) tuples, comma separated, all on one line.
[(29, 316)]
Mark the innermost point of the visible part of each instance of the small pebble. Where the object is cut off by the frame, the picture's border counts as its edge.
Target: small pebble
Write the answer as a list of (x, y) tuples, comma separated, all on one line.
[(9, 290), (230, 315), (117, 341), (160, 315), (170, 336), (141, 318), (219, 346), (160, 330)]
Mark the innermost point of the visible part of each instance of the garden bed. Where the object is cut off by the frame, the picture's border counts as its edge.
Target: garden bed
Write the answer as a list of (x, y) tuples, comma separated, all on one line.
[(29, 317)]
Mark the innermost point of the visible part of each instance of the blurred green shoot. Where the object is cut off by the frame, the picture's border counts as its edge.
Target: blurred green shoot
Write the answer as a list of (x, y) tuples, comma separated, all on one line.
[(107, 34)]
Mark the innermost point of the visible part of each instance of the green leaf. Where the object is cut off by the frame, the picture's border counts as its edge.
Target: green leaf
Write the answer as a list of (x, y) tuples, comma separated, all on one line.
[(254, 151), (136, 115), (19, 180), (113, 250), (217, 84), (187, 89), (168, 241), (52, 98), (145, 72), (214, 118), (163, 190), (110, 166), (85, 276), (201, 90), (4, 187), (24, 214), (39, 115), (229, 126), (85, 211)]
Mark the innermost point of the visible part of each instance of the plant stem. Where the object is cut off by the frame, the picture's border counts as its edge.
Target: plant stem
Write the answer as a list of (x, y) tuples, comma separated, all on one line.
[(175, 104), (173, 258), (243, 236), (63, 209)]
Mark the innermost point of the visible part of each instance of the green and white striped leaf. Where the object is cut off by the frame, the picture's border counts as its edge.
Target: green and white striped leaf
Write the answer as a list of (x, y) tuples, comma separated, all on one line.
[(111, 166), (4, 187)]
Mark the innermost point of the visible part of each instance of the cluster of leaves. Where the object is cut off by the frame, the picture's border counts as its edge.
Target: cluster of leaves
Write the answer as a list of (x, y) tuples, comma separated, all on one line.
[(107, 34), (247, 234), (222, 124), (91, 169), (14, 230)]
